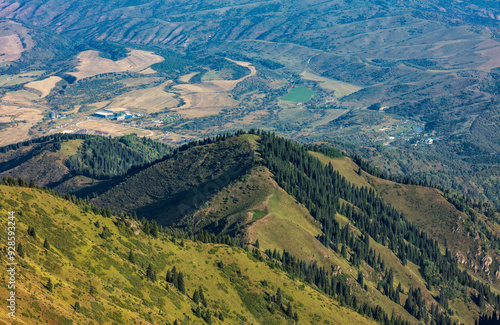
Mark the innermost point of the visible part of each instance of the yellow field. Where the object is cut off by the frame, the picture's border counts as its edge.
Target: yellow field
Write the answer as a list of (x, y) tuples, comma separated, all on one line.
[(228, 85), (340, 88), (203, 99), (11, 48), (112, 128), (187, 77), (149, 100), (91, 64), (100, 105), (22, 119), (20, 97), (11, 45), (44, 86), (494, 58)]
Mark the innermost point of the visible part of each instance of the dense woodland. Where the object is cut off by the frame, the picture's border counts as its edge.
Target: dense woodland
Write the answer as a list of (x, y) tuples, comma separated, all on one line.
[(101, 157), (320, 187)]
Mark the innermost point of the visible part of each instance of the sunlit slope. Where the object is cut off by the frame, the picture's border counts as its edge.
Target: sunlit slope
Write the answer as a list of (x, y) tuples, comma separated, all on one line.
[(97, 274)]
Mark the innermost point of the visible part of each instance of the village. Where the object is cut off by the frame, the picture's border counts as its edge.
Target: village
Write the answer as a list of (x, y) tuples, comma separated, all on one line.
[(408, 132)]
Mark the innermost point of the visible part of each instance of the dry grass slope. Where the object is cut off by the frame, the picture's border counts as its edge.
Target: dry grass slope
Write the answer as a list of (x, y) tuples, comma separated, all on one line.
[(91, 64), (95, 272), (44, 86)]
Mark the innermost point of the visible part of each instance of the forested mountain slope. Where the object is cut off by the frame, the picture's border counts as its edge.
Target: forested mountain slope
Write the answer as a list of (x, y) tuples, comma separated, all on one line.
[(76, 266), (80, 164), (421, 253)]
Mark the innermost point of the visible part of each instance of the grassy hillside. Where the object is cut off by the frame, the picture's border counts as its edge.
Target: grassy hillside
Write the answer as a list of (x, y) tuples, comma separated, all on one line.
[(469, 239), (93, 279)]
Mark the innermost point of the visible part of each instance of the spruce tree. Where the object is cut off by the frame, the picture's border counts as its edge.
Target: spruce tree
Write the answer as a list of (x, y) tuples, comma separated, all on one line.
[(150, 273), (46, 244), (181, 286), (32, 231), (202, 296), (154, 229), (49, 285), (279, 299), (288, 310), (208, 317), (175, 278), (360, 278), (20, 250), (131, 257), (196, 296)]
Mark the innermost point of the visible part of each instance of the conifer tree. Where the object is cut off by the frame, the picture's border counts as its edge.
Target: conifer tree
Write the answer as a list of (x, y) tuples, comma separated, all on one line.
[(279, 299), (20, 250), (360, 278), (196, 296), (208, 317), (288, 310), (32, 231), (131, 257), (175, 278), (154, 229), (49, 285), (46, 244), (202, 296), (77, 307), (150, 273), (181, 286)]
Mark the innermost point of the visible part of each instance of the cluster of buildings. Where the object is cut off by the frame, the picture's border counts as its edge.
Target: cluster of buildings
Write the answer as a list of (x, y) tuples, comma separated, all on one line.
[(116, 115), (55, 115)]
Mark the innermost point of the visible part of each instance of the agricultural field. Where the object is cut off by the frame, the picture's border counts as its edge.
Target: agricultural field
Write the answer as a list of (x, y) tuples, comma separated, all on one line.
[(147, 101), (92, 64), (44, 86), (16, 122), (492, 52), (12, 80), (203, 99), (229, 85), (299, 95), (14, 40), (113, 128), (339, 88)]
